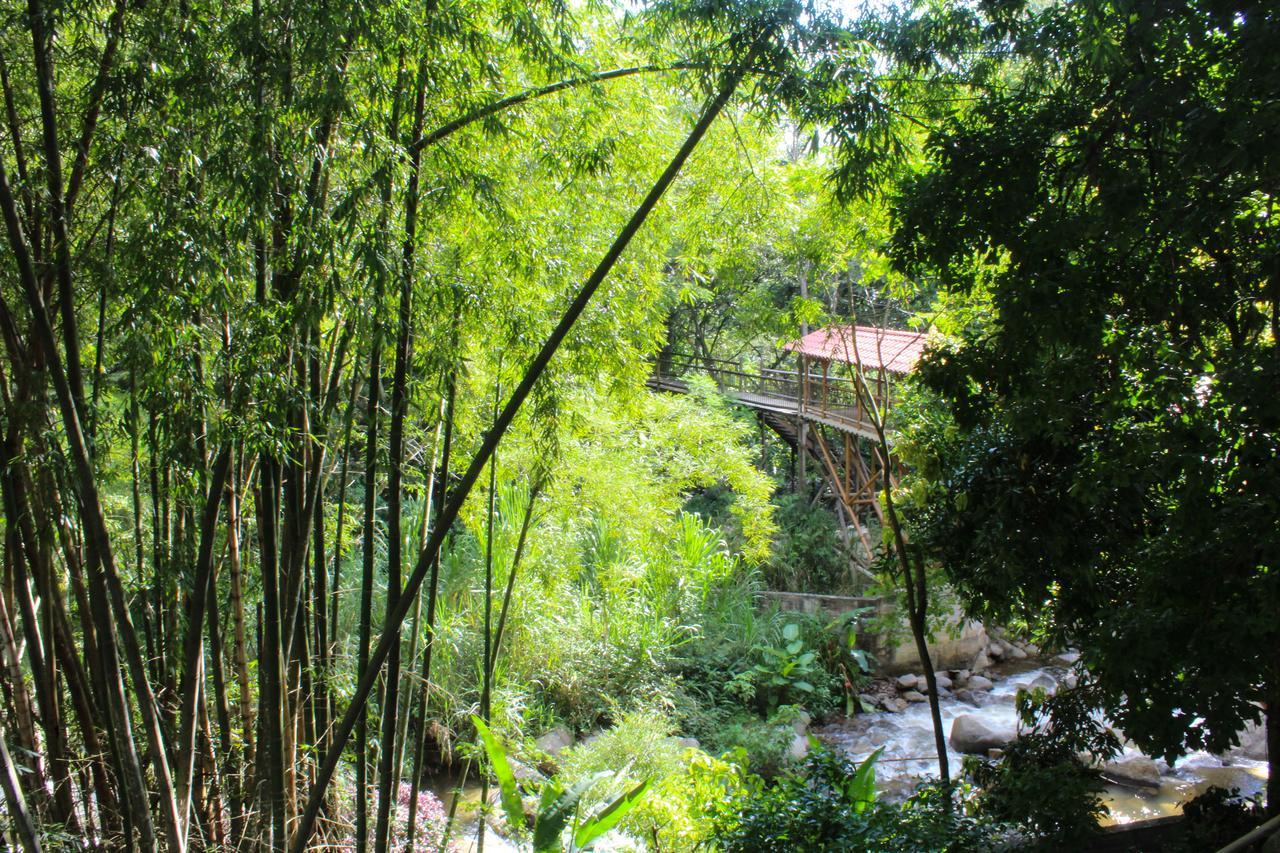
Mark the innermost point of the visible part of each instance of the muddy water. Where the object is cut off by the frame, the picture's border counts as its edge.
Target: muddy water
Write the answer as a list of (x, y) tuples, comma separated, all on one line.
[(909, 752)]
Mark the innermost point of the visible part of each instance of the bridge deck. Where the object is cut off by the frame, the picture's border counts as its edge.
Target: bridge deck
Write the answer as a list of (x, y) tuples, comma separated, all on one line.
[(770, 394)]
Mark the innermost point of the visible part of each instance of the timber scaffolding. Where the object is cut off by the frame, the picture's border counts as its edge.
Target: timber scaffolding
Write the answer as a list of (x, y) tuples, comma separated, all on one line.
[(818, 411)]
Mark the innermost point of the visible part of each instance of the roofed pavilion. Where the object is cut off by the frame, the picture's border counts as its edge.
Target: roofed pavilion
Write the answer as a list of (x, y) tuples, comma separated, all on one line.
[(830, 359)]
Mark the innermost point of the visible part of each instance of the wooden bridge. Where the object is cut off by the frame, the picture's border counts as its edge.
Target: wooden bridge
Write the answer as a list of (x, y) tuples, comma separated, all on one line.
[(819, 412)]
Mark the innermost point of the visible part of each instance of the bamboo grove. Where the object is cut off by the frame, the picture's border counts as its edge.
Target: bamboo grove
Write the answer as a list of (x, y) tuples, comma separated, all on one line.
[(251, 328)]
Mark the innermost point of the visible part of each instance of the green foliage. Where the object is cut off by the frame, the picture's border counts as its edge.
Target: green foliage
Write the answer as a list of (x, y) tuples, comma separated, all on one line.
[(830, 805), (617, 583), (785, 674), (689, 786), (1040, 783), (762, 746), (838, 652), (1110, 457), (1215, 818), (558, 806), (642, 744), (808, 554)]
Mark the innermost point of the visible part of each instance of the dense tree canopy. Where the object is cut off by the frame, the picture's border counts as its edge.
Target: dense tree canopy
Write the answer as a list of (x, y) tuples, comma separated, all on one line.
[(1111, 471)]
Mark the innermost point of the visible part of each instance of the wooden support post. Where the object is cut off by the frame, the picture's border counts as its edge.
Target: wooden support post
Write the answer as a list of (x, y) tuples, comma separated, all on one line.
[(848, 462), (826, 365), (802, 453)]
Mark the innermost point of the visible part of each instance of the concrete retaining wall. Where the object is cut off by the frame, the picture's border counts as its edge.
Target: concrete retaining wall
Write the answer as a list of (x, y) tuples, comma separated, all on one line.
[(951, 648)]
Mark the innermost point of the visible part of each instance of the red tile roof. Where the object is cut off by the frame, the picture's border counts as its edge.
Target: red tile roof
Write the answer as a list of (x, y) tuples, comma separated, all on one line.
[(892, 350)]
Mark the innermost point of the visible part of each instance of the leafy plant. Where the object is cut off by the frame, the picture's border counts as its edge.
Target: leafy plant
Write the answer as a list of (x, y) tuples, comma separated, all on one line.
[(762, 746), (808, 553), (1217, 817), (1040, 783), (829, 804), (785, 673), (557, 806), (839, 654)]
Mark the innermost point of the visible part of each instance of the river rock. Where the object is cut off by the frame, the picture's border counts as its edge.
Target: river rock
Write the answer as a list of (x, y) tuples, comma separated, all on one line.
[(942, 680), (1253, 743), (555, 741), (1070, 680), (866, 701), (1014, 652), (994, 651), (525, 773), (799, 747), (962, 677), (914, 696), (1044, 682), (980, 682), (967, 696), (1067, 658), (908, 681), (973, 735), (1031, 649), (1133, 770), (1244, 779), (980, 662)]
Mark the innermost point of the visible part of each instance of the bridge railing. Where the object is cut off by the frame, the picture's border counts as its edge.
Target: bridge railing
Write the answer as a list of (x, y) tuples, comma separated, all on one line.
[(832, 397)]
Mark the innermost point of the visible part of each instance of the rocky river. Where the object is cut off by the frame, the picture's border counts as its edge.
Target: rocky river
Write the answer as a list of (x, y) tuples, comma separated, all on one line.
[(978, 714)]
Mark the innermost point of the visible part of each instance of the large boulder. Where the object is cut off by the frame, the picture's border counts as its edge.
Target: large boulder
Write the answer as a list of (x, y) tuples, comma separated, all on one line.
[(1044, 682), (973, 735), (980, 682), (1253, 743), (1133, 770), (555, 741)]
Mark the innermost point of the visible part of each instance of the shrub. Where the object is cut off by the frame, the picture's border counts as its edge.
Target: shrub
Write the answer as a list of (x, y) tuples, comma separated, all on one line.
[(762, 746), (826, 806), (1040, 782), (688, 785), (1216, 818), (808, 554)]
